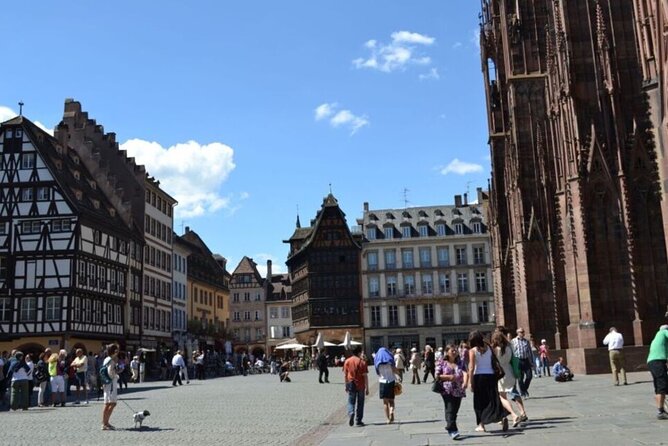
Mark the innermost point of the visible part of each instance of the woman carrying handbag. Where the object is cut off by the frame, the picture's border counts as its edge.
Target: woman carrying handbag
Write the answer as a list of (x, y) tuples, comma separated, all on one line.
[(486, 401)]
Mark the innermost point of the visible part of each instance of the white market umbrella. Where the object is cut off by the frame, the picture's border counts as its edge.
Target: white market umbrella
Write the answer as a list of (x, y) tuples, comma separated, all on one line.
[(290, 347), (329, 344), (320, 342), (346, 341), (343, 344)]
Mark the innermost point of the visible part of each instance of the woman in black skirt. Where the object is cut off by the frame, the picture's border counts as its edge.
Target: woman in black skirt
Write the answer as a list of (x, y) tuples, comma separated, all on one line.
[(486, 401)]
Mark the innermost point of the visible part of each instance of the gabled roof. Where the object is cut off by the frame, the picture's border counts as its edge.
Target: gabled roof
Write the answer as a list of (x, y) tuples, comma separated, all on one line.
[(76, 182), (204, 264), (328, 202), (247, 266)]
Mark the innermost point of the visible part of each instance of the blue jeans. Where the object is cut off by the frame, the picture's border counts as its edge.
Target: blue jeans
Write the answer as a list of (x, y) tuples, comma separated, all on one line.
[(525, 376), (358, 396)]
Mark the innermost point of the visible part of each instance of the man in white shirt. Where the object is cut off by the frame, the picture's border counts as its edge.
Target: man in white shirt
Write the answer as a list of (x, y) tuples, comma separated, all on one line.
[(615, 342), (177, 364)]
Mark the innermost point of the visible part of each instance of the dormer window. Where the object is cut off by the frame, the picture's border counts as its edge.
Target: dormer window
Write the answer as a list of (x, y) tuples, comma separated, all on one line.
[(440, 229), (422, 214), (476, 227), (406, 232), (389, 216), (96, 204), (459, 228), (78, 194), (93, 185), (75, 159), (424, 230), (389, 232), (405, 214), (371, 233), (112, 212), (77, 175)]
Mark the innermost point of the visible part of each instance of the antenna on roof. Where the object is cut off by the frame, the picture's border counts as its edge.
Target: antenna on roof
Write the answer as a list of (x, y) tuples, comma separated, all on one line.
[(21, 104), (406, 198), (330, 188), (183, 222), (468, 183)]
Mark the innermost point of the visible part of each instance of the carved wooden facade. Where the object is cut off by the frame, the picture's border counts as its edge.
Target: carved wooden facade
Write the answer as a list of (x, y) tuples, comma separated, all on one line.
[(324, 267), (64, 249), (575, 209)]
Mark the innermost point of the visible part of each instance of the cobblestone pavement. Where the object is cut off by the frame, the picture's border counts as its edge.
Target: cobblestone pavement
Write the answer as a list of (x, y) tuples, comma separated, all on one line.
[(589, 410), (258, 410)]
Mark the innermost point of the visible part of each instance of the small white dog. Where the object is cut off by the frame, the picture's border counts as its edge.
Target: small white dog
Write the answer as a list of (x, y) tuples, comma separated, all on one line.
[(139, 417)]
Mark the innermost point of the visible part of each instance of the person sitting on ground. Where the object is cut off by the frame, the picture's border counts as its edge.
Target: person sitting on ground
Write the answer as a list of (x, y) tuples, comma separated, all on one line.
[(561, 372)]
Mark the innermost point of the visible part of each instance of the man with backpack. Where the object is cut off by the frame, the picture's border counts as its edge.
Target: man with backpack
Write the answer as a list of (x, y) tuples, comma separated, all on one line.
[(20, 374)]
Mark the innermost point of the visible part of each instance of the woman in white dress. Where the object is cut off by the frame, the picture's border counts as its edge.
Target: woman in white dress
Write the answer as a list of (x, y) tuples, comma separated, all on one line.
[(506, 385)]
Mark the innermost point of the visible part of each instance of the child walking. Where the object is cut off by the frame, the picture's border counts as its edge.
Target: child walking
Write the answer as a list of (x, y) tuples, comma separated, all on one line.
[(453, 379)]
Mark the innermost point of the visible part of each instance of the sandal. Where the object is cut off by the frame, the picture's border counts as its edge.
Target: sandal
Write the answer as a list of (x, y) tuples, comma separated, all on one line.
[(517, 421), (480, 429)]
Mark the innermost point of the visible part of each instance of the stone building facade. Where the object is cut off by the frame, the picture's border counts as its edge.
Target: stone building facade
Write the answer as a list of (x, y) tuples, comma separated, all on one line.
[(247, 308), (278, 308), (575, 201), (425, 274)]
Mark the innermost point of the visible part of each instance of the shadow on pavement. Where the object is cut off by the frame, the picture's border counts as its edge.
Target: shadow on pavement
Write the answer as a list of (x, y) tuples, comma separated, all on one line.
[(549, 397), (414, 422), (146, 429)]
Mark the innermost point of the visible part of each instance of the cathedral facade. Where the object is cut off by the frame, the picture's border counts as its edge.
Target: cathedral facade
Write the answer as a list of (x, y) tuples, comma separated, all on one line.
[(576, 212)]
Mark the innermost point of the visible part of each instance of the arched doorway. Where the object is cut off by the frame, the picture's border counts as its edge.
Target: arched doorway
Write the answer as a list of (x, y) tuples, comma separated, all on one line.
[(32, 349)]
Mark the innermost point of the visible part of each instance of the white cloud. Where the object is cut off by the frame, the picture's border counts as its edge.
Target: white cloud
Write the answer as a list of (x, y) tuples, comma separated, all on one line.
[(323, 111), (461, 167), (396, 55), (340, 118), (432, 74), (409, 37), (7, 113), (475, 39), (190, 172), (277, 264), (457, 45)]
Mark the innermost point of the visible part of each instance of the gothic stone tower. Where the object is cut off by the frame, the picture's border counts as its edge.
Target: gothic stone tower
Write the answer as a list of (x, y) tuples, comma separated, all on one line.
[(575, 206)]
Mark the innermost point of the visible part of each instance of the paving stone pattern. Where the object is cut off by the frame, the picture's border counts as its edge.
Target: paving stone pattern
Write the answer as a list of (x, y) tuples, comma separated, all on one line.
[(258, 410)]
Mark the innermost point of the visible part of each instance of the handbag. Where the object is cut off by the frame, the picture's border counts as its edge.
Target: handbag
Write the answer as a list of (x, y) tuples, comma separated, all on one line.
[(437, 386), (496, 365), (398, 389), (515, 364)]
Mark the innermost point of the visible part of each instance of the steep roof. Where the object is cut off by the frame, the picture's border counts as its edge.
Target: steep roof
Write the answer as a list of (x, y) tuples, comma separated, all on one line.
[(329, 202), (247, 266), (204, 265), (77, 183)]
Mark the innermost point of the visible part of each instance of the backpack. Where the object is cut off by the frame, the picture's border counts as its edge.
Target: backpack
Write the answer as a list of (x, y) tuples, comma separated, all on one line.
[(40, 373), (104, 375)]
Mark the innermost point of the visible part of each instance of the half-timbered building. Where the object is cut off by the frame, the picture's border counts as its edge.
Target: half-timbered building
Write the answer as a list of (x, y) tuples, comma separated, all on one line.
[(64, 248), (324, 267)]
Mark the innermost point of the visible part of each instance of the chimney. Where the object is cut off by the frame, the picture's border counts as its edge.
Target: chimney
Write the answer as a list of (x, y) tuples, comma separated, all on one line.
[(187, 229), (269, 270), (480, 196), (466, 199), (458, 201), (366, 206)]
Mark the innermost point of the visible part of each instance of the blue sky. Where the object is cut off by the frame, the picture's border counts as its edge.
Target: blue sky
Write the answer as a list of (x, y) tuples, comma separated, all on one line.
[(247, 111)]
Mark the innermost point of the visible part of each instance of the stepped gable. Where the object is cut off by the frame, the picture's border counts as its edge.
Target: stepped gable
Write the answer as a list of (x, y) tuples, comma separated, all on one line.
[(75, 180), (118, 175)]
